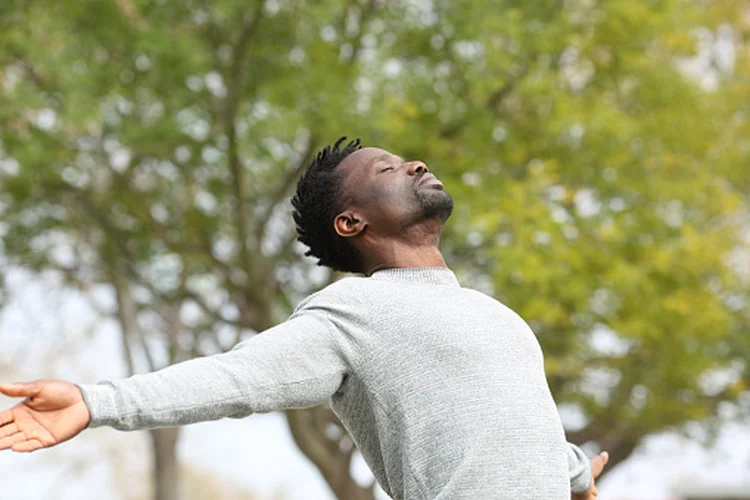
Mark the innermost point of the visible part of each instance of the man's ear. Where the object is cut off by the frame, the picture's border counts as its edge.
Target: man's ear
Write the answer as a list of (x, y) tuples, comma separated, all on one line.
[(348, 224)]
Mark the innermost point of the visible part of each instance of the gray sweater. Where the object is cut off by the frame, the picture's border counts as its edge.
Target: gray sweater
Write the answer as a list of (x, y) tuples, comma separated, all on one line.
[(441, 387)]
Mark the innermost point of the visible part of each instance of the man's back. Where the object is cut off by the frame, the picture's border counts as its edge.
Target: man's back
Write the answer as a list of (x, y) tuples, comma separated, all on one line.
[(447, 396)]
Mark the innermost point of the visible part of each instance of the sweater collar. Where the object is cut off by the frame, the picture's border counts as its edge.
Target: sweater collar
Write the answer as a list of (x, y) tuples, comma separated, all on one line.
[(418, 275)]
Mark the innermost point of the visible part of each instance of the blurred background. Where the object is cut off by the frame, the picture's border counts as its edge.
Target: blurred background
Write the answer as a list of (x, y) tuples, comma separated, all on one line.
[(598, 153)]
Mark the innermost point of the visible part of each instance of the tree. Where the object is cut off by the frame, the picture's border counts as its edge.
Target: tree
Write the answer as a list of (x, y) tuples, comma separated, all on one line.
[(152, 146)]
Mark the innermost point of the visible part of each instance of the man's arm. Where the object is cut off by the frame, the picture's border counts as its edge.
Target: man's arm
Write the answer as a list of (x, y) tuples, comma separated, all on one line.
[(294, 365), (297, 364)]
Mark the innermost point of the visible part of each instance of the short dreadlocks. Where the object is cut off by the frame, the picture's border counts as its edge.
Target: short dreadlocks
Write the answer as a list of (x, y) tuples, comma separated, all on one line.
[(317, 203)]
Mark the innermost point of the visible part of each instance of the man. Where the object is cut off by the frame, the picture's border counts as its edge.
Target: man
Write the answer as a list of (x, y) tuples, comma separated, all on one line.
[(441, 387)]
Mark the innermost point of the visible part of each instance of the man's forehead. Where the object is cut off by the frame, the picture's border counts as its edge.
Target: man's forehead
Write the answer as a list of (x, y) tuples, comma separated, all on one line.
[(363, 157)]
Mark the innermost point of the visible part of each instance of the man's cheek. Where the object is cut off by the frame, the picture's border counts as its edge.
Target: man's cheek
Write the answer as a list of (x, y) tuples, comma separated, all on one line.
[(378, 197)]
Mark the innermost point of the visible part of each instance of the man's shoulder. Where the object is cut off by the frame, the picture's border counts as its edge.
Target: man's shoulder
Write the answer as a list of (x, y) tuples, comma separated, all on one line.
[(345, 290), (345, 286)]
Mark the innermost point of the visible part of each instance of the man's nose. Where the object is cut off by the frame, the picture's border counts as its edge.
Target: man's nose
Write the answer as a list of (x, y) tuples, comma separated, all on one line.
[(417, 167)]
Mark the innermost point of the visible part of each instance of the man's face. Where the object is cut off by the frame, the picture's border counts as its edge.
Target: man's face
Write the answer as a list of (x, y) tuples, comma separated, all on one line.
[(391, 194)]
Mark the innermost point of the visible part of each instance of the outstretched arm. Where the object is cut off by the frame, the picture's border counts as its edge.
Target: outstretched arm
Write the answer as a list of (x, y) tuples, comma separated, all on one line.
[(299, 363), (294, 365)]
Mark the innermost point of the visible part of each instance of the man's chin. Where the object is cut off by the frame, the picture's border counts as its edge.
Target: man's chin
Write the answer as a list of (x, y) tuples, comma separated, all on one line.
[(437, 204)]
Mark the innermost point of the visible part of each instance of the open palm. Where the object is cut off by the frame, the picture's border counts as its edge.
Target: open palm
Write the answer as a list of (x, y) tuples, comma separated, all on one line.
[(53, 412)]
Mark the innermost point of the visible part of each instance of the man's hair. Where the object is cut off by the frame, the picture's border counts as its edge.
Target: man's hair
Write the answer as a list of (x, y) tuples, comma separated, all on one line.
[(317, 203)]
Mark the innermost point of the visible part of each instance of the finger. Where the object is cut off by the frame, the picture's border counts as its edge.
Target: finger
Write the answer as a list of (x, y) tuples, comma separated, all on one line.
[(27, 446), (21, 390), (598, 462), (13, 439), (8, 429)]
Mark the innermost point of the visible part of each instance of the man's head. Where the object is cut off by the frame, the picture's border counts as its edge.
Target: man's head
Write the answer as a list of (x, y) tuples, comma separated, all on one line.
[(353, 200)]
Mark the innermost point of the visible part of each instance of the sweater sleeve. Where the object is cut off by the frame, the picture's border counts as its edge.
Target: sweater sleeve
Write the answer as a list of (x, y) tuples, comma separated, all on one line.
[(579, 466), (296, 364)]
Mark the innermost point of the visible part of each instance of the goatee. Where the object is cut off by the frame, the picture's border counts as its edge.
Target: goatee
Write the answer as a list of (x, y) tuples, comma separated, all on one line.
[(436, 204)]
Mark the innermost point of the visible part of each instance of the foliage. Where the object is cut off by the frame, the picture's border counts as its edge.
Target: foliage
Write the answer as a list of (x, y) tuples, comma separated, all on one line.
[(601, 192)]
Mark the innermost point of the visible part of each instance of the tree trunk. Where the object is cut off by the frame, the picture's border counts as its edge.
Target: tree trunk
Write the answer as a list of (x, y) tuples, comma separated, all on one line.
[(166, 474), (331, 454), (619, 450), (348, 489)]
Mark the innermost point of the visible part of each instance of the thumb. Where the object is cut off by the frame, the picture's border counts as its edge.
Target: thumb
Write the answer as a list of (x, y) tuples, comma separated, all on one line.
[(21, 389), (598, 462)]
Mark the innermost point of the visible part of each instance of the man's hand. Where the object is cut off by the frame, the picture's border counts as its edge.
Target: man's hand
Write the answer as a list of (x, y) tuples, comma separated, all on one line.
[(53, 412), (597, 465)]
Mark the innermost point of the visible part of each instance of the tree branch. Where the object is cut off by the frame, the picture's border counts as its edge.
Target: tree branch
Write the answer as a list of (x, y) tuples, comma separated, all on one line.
[(308, 428), (215, 315), (284, 187), (125, 315), (619, 449), (287, 247), (497, 97), (366, 12), (234, 84), (129, 320), (584, 435)]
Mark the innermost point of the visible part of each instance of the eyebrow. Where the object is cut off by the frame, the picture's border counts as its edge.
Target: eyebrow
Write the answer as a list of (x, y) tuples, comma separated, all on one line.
[(384, 157)]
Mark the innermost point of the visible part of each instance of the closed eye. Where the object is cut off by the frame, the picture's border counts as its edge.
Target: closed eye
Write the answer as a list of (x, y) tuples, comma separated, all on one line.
[(385, 169)]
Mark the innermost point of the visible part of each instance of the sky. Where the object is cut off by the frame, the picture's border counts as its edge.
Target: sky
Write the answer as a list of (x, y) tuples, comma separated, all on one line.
[(47, 331)]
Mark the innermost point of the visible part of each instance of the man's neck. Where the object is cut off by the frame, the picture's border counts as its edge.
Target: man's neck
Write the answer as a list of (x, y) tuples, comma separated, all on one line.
[(399, 254)]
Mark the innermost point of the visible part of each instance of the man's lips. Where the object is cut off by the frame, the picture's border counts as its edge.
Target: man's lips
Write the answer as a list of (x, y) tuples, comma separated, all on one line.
[(429, 179)]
